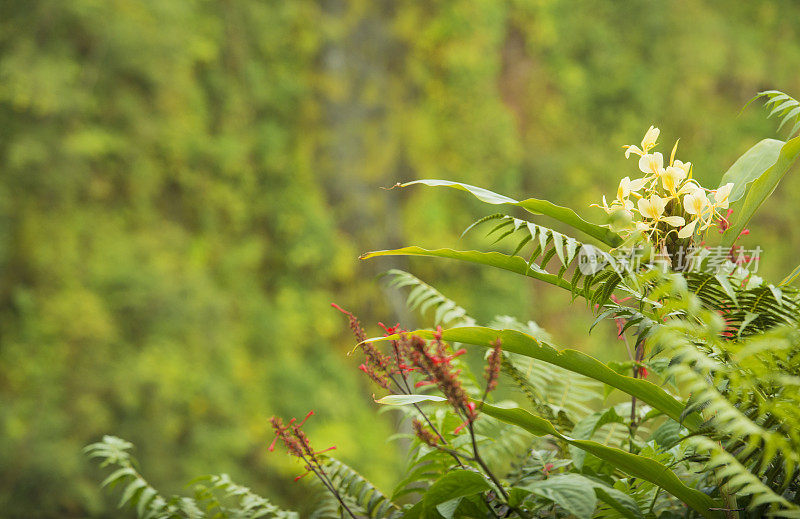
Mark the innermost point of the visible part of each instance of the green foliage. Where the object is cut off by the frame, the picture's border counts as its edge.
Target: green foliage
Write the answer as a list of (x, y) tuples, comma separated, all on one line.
[(361, 496), (214, 496), (183, 186), (534, 206), (727, 418), (749, 389), (750, 166), (571, 360), (782, 105), (632, 464), (423, 297), (761, 188), (165, 238), (453, 486)]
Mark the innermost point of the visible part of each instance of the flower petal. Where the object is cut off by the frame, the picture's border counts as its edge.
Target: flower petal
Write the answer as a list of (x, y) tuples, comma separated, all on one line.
[(652, 163), (650, 138), (687, 230), (632, 149), (675, 221), (644, 207), (721, 196), (636, 185), (689, 187)]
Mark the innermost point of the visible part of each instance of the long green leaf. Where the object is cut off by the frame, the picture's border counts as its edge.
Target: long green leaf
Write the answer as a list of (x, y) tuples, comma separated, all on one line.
[(532, 205), (761, 188), (494, 259), (572, 360), (573, 492), (455, 484), (791, 276), (408, 399), (632, 464), (750, 166)]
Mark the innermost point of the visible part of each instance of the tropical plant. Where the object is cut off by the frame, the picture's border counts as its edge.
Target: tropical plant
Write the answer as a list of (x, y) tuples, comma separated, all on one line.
[(709, 424), (723, 438)]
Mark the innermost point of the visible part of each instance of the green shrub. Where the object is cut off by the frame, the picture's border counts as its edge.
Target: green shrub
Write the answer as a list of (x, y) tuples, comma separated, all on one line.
[(708, 425)]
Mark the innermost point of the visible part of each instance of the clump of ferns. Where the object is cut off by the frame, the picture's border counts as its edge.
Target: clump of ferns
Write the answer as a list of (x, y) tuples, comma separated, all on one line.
[(748, 391), (214, 496)]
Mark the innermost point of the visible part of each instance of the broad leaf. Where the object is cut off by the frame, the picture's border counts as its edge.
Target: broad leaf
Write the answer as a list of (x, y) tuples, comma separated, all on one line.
[(750, 166), (454, 484), (619, 501), (667, 435), (637, 466), (572, 492), (532, 205), (761, 189), (585, 429)]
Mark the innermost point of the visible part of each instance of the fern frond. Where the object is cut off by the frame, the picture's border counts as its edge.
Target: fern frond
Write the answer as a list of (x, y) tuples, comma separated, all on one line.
[(749, 392), (598, 281), (738, 478), (425, 464), (150, 504), (750, 306), (558, 394), (423, 297), (781, 105), (360, 494)]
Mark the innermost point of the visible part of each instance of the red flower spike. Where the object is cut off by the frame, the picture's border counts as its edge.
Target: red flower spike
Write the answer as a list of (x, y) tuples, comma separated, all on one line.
[(424, 434), (376, 375), (331, 448), (493, 366), (390, 330), (355, 325), (433, 365), (310, 413)]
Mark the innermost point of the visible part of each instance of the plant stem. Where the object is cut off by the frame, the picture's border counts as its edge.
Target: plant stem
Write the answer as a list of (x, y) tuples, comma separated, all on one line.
[(322, 476), (480, 461), (489, 473)]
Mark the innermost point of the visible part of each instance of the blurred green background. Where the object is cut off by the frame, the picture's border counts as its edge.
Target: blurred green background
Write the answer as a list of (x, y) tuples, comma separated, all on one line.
[(185, 186)]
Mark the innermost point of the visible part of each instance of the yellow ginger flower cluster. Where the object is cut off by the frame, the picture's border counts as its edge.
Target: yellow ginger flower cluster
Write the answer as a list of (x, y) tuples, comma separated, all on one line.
[(662, 187)]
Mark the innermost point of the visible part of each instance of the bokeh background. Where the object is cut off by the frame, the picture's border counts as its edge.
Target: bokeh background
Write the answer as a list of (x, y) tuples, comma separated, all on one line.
[(186, 185)]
